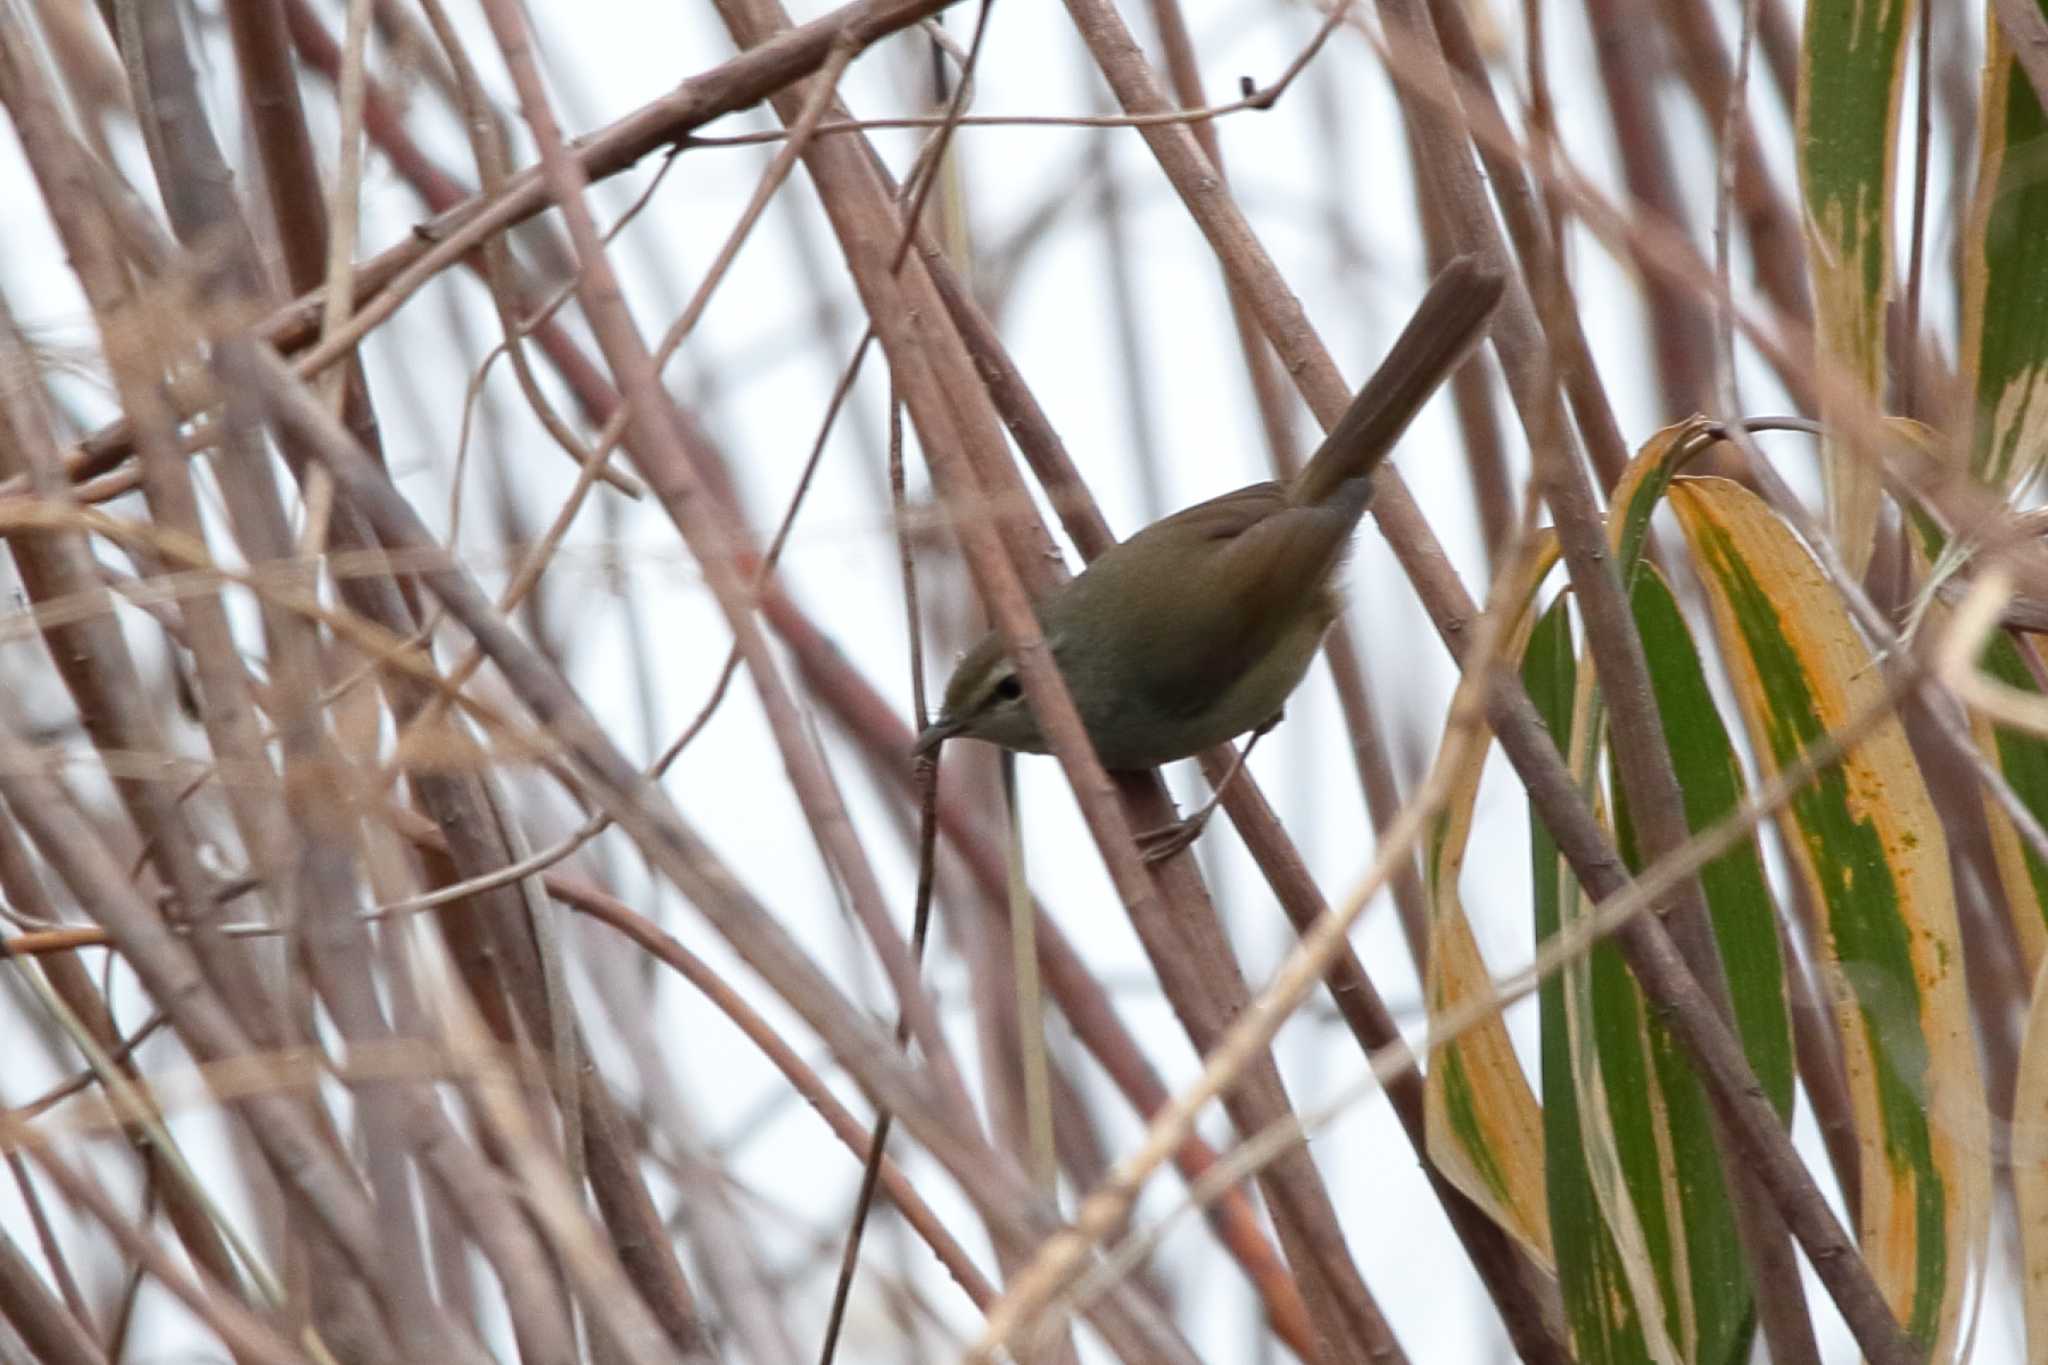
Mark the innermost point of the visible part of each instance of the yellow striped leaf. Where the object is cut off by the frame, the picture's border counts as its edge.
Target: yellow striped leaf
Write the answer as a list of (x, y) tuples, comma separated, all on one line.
[(1865, 838), (1600, 1303), (1676, 1173), (1648, 1253), (2030, 1168), (2005, 286), (1484, 1127), (1852, 59), (2021, 755)]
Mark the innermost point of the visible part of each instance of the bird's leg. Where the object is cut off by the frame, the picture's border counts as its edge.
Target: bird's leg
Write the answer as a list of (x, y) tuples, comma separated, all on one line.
[(1157, 845)]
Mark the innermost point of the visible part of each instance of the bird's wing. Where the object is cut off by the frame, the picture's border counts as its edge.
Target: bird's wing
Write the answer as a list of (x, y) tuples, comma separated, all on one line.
[(1220, 518), (1263, 549)]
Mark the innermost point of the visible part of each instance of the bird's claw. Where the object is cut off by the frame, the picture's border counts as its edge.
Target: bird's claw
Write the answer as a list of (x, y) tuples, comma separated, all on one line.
[(1157, 845)]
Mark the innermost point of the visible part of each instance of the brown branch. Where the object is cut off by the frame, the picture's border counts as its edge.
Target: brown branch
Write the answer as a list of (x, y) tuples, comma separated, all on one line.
[(2027, 31), (302, 1156), (1630, 55), (49, 1328), (1775, 244), (23, 887), (1688, 973), (658, 453), (209, 1300), (1088, 1008), (1081, 998), (111, 698), (1535, 757), (494, 943), (458, 227), (645, 813), (194, 179), (1185, 942)]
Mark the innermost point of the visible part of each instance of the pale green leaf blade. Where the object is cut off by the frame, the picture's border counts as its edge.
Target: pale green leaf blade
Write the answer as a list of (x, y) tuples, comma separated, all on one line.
[(1852, 60), (1865, 838), (2005, 287)]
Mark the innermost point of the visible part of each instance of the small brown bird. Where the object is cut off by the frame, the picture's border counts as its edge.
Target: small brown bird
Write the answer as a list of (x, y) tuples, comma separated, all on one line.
[(1200, 626)]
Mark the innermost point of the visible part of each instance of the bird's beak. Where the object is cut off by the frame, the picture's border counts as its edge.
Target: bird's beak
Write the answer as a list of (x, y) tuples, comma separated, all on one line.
[(945, 727)]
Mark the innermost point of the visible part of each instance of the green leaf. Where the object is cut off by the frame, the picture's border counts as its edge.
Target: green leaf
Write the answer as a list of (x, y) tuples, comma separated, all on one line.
[(1599, 1305), (2005, 287), (2023, 757), (1865, 838), (1673, 1139), (1485, 1131), (2029, 1171), (1852, 60)]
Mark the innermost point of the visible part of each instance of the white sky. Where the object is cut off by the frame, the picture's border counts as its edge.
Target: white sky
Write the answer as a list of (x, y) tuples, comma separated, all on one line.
[(1292, 169)]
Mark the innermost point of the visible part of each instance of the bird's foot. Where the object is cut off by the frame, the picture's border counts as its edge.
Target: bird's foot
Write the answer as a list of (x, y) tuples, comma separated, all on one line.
[(1157, 845)]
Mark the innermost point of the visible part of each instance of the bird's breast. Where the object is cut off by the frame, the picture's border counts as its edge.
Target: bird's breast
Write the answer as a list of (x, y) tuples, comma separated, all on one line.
[(1133, 728)]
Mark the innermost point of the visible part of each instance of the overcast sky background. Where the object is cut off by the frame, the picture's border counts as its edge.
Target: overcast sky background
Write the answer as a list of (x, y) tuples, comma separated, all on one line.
[(1325, 179)]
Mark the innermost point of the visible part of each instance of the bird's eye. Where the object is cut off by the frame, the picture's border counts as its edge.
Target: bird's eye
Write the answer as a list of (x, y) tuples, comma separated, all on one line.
[(1009, 689)]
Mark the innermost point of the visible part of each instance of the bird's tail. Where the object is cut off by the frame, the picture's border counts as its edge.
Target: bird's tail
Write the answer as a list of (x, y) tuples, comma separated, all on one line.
[(1447, 324)]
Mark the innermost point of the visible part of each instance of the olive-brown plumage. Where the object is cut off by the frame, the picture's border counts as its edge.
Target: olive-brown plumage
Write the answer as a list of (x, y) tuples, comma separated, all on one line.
[(1200, 626)]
